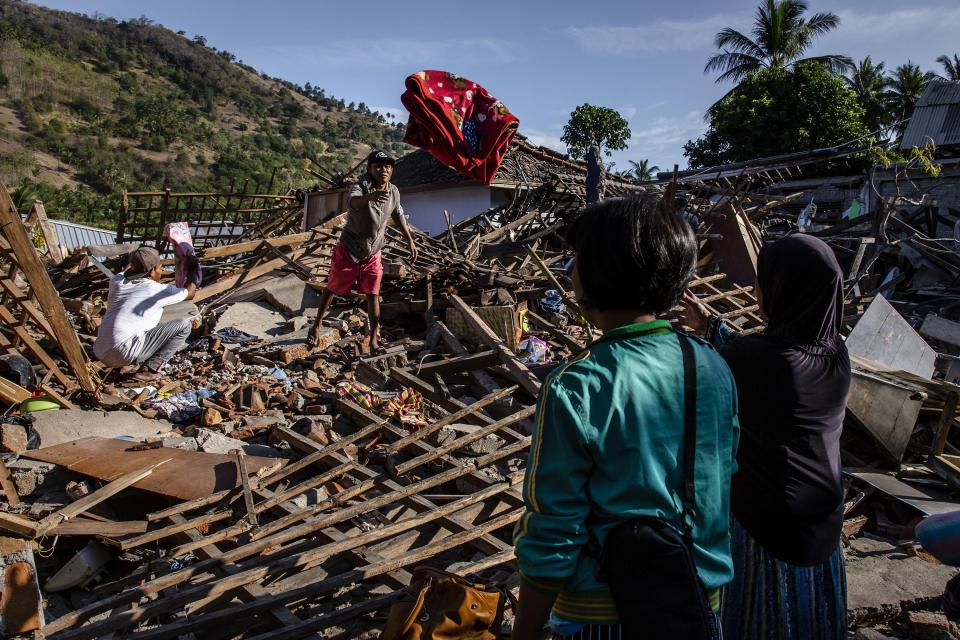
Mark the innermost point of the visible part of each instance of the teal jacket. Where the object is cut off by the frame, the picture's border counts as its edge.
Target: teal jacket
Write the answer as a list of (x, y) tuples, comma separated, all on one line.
[(606, 448)]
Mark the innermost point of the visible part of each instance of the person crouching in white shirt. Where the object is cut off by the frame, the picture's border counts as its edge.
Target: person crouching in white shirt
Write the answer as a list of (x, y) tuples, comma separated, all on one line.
[(130, 335)]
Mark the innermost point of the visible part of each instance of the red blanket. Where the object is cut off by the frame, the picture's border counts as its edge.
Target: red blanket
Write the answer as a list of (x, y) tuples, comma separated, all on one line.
[(456, 120)]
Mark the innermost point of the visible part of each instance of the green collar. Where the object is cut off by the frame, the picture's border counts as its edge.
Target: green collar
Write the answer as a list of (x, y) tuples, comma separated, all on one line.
[(636, 330)]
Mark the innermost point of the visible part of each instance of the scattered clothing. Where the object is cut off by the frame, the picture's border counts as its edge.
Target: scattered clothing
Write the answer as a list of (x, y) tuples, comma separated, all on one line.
[(459, 122), (769, 598), (551, 302), (606, 448), (179, 408), (178, 233), (407, 407), (532, 350), (359, 393), (345, 272), (227, 335), (792, 382), (134, 307)]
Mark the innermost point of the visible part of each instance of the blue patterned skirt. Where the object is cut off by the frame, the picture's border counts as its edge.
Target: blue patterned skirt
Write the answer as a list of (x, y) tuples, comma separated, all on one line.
[(772, 600)]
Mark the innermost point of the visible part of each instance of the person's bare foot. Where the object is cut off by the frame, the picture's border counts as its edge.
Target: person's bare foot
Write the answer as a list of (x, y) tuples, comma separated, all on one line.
[(145, 375), (313, 337)]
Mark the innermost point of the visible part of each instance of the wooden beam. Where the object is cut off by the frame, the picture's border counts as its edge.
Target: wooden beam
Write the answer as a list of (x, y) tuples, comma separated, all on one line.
[(44, 291), (95, 498), (517, 369), (6, 483), (12, 393)]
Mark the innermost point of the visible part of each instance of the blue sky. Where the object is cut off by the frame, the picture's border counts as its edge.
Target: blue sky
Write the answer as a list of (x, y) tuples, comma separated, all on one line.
[(542, 59)]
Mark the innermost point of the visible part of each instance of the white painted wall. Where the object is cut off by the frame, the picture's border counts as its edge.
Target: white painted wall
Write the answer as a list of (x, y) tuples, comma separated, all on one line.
[(425, 208)]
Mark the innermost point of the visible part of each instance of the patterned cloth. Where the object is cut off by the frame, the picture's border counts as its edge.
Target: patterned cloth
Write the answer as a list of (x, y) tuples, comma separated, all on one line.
[(772, 600), (178, 233), (407, 407), (456, 120)]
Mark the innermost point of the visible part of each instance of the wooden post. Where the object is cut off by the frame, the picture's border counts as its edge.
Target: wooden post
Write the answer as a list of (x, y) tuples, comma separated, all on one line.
[(44, 291), (6, 483), (38, 216), (518, 370), (946, 420)]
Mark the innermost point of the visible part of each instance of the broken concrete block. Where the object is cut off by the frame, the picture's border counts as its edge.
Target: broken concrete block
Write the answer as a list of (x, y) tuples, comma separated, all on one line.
[(296, 324), (180, 442), (212, 442), (255, 318), (309, 498), (483, 446), (871, 634), (13, 438), (57, 427), (291, 295), (927, 625), (880, 587), (315, 427), (210, 417), (20, 602), (30, 476)]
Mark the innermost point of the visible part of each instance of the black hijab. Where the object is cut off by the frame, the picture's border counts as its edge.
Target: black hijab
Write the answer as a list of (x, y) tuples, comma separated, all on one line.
[(792, 383), (802, 288)]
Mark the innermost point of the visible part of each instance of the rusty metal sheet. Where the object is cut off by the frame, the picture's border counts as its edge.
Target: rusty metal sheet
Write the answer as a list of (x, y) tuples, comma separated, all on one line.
[(188, 475), (20, 610)]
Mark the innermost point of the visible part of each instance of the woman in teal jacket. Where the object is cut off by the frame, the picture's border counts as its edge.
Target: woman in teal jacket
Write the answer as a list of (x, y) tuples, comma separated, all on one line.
[(609, 426)]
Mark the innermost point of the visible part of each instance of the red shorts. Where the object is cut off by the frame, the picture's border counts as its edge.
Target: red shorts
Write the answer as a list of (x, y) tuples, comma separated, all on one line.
[(346, 272)]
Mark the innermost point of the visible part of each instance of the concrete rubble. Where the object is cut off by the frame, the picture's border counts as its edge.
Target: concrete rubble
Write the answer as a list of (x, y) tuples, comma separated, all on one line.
[(263, 488)]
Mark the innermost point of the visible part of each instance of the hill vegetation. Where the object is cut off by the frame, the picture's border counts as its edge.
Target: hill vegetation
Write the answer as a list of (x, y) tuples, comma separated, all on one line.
[(91, 105)]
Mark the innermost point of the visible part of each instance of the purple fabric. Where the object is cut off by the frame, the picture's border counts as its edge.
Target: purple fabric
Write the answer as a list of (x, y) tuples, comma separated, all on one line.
[(792, 383)]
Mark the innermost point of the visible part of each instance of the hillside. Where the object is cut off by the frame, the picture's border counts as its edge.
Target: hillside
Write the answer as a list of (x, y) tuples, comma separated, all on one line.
[(91, 106)]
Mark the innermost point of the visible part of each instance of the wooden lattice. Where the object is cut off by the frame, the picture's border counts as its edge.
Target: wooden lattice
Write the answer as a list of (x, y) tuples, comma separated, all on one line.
[(31, 306), (215, 219)]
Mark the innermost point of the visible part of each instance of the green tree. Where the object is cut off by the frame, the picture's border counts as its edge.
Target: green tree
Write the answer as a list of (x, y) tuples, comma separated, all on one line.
[(641, 171), (951, 67), (776, 111), (869, 82), (780, 36), (904, 89), (590, 125)]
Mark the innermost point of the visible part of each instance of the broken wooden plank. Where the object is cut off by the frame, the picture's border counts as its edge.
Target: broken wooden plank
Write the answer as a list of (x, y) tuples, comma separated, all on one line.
[(6, 483), (98, 496), (12, 393), (43, 290), (518, 370), (251, 514)]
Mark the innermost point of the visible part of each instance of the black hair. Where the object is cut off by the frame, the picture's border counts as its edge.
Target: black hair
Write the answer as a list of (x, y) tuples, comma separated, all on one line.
[(633, 253)]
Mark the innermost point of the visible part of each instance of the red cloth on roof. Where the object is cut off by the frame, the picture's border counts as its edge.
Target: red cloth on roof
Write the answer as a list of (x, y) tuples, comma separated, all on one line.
[(456, 120)]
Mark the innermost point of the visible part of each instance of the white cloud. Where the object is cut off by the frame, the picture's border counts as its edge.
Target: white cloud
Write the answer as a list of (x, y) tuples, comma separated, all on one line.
[(545, 139), (898, 24), (659, 36), (397, 52)]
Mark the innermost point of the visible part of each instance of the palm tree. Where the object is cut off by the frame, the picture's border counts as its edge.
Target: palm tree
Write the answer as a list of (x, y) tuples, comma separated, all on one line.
[(951, 67), (905, 87), (870, 84), (780, 36), (641, 171)]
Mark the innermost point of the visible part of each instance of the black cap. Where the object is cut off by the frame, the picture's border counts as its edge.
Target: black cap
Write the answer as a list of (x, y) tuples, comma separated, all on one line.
[(379, 155)]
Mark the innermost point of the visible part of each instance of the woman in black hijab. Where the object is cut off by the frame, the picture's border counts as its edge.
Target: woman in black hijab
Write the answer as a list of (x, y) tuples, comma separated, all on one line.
[(787, 496)]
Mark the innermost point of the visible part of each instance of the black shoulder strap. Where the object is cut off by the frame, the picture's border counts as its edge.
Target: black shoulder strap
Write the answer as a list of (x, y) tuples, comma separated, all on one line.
[(689, 433)]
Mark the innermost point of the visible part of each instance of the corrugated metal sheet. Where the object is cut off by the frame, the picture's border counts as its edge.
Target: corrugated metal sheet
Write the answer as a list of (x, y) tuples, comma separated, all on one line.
[(72, 235), (936, 116)]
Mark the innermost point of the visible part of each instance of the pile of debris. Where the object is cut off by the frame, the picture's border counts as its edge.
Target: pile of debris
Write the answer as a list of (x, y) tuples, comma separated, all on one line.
[(264, 489)]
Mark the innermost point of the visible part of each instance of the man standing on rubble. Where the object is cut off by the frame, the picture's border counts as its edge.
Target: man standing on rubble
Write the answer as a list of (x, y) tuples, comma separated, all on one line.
[(131, 335), (356, 258)]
